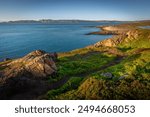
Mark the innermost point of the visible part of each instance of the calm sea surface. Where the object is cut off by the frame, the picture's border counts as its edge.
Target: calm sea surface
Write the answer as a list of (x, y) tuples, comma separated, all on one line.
[(145, 27), (16, 40)]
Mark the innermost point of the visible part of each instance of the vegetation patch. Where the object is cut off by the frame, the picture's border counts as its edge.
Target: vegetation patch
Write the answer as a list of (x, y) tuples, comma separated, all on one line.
[(72, 83)]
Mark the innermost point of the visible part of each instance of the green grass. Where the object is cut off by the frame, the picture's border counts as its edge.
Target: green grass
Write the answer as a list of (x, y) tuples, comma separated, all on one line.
[(135, 84), (72, 83), (123, 49), (137, 65), (141, 40), (81, 64), (76, 67)]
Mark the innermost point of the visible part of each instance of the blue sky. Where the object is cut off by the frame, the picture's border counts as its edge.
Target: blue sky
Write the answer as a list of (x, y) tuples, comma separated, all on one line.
[(75, 9)]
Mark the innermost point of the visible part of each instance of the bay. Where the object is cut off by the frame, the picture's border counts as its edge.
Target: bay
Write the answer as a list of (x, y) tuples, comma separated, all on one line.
[(17, 40)]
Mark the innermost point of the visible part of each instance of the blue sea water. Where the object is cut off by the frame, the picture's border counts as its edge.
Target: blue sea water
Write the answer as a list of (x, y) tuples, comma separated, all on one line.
[(16, 40), (145, 27)]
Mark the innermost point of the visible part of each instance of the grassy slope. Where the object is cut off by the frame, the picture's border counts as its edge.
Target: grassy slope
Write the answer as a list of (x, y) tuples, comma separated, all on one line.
[(131, 76), (142, 40)]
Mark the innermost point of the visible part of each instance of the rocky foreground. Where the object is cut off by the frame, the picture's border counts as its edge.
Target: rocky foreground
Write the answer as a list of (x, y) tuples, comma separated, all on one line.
[(115, 68), (27, 73)]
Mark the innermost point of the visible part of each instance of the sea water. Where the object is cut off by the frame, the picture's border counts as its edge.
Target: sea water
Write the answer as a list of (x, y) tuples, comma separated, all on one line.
[(145, 27), (17, 40)]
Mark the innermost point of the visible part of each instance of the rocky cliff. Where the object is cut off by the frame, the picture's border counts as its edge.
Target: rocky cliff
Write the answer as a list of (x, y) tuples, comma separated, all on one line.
[(26, 72)]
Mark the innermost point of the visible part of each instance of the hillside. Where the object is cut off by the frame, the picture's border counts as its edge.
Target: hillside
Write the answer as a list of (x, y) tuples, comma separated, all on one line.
[(115, 68), (51, 21)]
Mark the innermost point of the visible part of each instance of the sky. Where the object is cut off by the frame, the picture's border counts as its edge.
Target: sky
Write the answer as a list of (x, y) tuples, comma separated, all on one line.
[(74, 9)]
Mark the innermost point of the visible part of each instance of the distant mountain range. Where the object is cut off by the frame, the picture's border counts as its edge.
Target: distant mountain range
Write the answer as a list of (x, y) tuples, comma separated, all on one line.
[(50, 21)]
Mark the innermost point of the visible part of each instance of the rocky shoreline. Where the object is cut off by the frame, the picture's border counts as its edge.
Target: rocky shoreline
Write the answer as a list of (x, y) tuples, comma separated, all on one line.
[(119, 32)]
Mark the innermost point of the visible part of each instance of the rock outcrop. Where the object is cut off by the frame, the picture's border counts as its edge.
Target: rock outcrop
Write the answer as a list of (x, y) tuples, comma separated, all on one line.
[(37, 64), (120, 35), (27, 72)]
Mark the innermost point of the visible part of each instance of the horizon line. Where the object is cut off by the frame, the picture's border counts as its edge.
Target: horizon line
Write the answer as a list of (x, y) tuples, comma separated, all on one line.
[(71, 20)]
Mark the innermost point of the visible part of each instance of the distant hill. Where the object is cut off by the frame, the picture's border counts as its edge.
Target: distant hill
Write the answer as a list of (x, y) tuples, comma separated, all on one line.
[(50, 21)]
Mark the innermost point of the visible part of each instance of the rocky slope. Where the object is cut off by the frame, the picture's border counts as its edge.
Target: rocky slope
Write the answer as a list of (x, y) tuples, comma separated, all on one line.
[(26, 72), (122, 33), (37, 64)]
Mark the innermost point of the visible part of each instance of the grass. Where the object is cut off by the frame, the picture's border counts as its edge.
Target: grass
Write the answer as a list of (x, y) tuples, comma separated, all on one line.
[(137, 65), (125, 49), (82, 63), (72, 83), (76, 67), (139, 40)]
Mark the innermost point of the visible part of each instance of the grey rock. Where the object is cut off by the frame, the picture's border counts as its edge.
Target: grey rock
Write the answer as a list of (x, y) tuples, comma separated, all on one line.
[(121, 77), (107, 75)]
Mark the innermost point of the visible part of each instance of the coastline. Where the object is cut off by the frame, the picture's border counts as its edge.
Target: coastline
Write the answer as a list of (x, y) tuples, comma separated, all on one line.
[(95, 63), (118, 32)]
